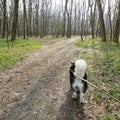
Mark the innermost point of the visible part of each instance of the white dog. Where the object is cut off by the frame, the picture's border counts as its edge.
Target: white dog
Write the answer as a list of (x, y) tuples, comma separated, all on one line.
[(77, 71)]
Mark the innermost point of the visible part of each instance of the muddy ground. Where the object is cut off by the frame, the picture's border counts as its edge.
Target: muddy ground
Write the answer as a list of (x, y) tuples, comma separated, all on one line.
[(38, 88)]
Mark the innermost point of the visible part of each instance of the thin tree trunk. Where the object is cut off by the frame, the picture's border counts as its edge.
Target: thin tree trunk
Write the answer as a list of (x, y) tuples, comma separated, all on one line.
[(15, 20), (30, 18), (64, 24), (69, 14), (4, 19), (110, 22), (92, 19), (117, 27), (0, 26), (36, 17), (24, 20), (42, 18), (75, 19), (101, 20)]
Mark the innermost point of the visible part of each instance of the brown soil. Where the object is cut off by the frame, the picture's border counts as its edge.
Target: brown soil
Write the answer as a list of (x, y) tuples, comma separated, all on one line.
[(38, 88)]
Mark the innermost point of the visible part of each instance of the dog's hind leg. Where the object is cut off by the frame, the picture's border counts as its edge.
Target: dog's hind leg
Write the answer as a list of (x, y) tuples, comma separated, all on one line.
[(74, 96)]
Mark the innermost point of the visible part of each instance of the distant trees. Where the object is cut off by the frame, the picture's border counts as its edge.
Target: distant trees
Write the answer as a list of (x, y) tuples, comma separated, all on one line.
[(44, 17), (41, 18)]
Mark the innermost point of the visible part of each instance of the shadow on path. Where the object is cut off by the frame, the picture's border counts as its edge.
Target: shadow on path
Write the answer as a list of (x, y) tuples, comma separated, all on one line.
[(71, 109)]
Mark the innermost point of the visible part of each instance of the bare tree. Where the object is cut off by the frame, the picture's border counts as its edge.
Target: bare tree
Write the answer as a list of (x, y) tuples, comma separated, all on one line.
[(69, 18), (75, 18), (82, 26), (78, 20), (101, 20), (117, 26), (0, 26), (24, 19), (64, 18), (92, 17), (4, 18), (30, 18), (42, 18), (82, 21), (37, 17), (15, 20), (0, 17), (110, 22)]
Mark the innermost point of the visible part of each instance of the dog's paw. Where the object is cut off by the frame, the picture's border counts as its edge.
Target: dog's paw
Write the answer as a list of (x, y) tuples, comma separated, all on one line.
[(74, 96)]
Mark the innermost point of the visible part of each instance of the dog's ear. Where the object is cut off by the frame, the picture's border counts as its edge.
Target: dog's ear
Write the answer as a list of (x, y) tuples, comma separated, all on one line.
[(72, 62)]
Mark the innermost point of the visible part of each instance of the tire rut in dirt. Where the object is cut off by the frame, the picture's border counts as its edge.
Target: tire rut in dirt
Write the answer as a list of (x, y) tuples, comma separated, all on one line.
[(49, 98)]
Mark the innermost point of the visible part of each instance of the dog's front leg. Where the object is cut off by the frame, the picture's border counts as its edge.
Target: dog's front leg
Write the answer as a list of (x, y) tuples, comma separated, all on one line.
[(81, 97)]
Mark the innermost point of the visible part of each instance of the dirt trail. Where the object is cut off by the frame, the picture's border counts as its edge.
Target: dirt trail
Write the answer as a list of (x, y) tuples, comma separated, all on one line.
[(38, 88)]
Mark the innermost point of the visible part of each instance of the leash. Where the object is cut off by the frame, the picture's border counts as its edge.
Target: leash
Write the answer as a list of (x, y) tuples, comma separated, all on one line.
[(102, 90)]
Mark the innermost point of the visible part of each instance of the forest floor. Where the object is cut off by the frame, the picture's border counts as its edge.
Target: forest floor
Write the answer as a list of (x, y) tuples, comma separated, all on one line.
[(38, 88)]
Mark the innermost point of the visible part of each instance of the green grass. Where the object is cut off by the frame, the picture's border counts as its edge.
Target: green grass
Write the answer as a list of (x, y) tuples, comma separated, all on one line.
[(103, 59), (110, 52), (19, 51)]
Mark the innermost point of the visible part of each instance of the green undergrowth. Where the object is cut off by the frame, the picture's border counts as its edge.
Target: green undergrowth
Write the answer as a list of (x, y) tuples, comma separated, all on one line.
[(10, 54), (103, 60)]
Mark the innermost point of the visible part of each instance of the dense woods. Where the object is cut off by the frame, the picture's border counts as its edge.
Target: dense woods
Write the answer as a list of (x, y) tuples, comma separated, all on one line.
[(26, 18)]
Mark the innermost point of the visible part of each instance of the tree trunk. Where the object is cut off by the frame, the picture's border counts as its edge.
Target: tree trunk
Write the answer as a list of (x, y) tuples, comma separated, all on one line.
[(37, 17), (0, 26), (117, 27), (42, 18), (69, 26), (110, 22), (4, 19), (75, 19), (64, 24), (15, 20), (30, 18), (69, 15), (92, 19), (101, 19), (24, 20)]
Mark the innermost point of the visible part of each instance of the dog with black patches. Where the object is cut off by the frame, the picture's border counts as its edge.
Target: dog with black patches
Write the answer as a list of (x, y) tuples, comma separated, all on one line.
[(77, 71)]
